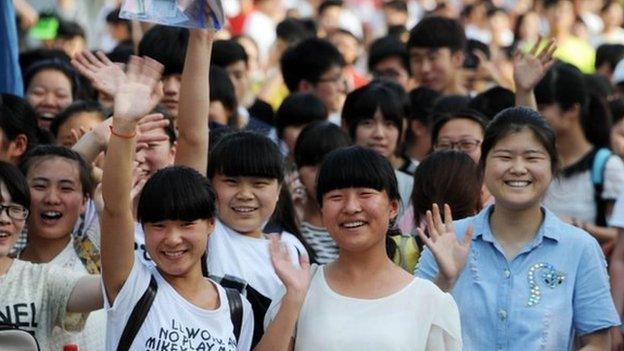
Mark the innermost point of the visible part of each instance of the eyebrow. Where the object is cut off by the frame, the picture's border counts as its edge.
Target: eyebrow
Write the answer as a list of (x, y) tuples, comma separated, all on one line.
[(530, 151), (64, 181)]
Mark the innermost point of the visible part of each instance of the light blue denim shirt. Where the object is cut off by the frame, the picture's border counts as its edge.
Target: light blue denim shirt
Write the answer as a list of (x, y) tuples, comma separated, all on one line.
[(556, 287)]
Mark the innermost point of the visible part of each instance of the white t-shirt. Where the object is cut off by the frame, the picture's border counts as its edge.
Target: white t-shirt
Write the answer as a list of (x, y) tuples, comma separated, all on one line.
[(34, 297), (247, 258), (573, 196), (92, 336), (172, 322), (418, 317), (617, 215)]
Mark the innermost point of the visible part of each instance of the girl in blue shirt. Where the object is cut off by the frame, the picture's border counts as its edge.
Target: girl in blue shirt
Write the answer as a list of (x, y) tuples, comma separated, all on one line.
[(522, 278)]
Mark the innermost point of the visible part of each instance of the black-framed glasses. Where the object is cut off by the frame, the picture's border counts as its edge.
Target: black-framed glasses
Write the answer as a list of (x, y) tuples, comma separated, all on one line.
[(17, 212), (465, 145)]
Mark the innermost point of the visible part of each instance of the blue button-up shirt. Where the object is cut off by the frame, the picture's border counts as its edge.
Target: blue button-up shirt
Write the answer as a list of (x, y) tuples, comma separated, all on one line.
[(555, 287)]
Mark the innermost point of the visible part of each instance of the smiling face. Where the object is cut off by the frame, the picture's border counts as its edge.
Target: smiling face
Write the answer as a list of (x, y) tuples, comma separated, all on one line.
[(154, 155), (518, 171), (358, 218), (86, 120), (435, 68), (57, 198), (49, 92), (245, 204), (177, 246), (10, 228), (463, 134), (377, 133)]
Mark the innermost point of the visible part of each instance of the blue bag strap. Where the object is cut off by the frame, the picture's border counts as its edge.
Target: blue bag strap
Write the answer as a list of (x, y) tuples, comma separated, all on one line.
[(600, 162)]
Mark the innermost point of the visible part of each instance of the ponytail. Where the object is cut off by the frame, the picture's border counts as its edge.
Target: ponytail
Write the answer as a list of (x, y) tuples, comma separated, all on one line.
[(596, 120)]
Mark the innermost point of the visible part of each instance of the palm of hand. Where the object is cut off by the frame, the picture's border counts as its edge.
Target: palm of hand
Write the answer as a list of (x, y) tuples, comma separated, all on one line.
[(134, 100), (293, 277), (108, 78), (528, 71)]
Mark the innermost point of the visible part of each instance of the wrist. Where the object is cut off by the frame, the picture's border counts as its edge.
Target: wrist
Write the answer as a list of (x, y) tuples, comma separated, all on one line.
[(123, 125), (295, 296)]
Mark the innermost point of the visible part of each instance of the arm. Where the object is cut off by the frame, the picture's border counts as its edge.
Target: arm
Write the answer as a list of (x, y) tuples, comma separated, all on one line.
[(136, 96), (596, 341), (616, 272), (26, 13), (529, 69), (279, 334), (87, 295), (192, 147)]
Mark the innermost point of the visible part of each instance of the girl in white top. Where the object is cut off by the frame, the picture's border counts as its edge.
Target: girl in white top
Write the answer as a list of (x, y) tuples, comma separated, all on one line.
[(37, 297), (361, 301), (176, 209)]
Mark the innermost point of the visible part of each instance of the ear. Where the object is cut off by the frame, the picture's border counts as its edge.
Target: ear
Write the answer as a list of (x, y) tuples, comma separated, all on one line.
[(305, 86), (17, 147), (394, 209), (457, 58), (416, 127)]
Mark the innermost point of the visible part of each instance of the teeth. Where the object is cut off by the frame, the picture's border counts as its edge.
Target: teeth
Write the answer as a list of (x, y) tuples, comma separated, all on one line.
[(518, 183), (244, 209), (4, 235), (353, 224), (51, 214), (174, 253)]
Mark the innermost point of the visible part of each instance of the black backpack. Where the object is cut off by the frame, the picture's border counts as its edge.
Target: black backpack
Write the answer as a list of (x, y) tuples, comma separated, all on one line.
[(140, 310)]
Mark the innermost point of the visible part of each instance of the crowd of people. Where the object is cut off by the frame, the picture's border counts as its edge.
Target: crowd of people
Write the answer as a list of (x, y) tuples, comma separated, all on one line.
[(316, 175)]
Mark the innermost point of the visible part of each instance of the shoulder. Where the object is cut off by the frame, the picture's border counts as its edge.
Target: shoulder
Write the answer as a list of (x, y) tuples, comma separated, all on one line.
[(614, 164), (570, 237)]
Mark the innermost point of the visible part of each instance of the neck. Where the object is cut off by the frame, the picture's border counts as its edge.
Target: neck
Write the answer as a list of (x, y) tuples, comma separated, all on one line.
[(572, 146), (42, 250), (312, 213), (456, 86), (5, 264), (419, 150), (363, 265), (186, 284), (395, 161), (515, 228)]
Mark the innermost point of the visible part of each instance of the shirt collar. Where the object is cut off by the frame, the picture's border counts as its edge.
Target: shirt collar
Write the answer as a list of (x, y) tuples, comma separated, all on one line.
[(550, 227)]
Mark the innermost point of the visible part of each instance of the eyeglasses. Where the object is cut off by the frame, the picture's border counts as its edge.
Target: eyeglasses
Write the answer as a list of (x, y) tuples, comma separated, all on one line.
[(465, 145), (17, 212)]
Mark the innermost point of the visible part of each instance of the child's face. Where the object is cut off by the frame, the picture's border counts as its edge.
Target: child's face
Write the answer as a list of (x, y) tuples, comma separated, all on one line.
[(435, 68), (57, 198), (49, 92), (617, 138), (171, 89), (518, 171), (177, 246), (245, 204), (378, 134), (358, 218), (10, 228)]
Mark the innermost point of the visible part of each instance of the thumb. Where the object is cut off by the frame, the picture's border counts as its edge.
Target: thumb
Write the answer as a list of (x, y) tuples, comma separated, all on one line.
[(468, 236)]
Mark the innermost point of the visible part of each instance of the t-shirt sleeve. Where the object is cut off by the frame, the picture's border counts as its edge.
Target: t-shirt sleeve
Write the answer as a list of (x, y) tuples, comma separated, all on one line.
[(247, 328), (592, 303), (133, 288), (445, 332), (617, 215), (60, 283), (273, 309), (427, 267), (613, 178)]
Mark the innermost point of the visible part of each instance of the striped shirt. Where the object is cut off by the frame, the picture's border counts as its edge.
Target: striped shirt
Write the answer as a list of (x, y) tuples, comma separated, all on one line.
[(319, 240)]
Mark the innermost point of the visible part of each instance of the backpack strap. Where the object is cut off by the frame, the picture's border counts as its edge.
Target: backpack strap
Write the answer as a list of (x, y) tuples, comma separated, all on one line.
[(597, 177), (137, 317), (235, 302)]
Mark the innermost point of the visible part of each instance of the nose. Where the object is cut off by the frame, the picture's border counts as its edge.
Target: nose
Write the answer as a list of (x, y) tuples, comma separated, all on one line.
[(378, 131), (52, 196), (4, 216), (48, 100), (518, 166), (171, 86), (352, 204), (173, 237), (139, 156), (244, 193)]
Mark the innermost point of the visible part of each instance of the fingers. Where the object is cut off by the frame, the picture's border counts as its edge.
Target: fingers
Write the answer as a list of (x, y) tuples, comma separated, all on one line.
[(134, 68), (146, 138), (448, 218), (536, 46), (104, 58), (425, 239), (433, 233), (437, 219), (468, 237), (304, 261)]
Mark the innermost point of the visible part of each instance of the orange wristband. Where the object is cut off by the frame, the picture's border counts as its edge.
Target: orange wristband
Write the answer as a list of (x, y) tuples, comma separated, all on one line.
[(123, 136)]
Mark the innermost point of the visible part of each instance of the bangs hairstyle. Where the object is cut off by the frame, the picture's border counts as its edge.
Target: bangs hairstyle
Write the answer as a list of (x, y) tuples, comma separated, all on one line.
[(514, 120), (176, 193), (46, 152), (16, 184), (246, 154), (362, 103), (356, 167)]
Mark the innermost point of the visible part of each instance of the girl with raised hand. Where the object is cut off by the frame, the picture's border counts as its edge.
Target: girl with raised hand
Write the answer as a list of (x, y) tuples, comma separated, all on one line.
[(39, 298), (525, 280), (176, 209), (362, 300), (247, 171)]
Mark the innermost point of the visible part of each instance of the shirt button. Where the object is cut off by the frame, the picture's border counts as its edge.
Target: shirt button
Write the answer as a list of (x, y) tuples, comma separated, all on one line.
[(502, 314), (507, 273)]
